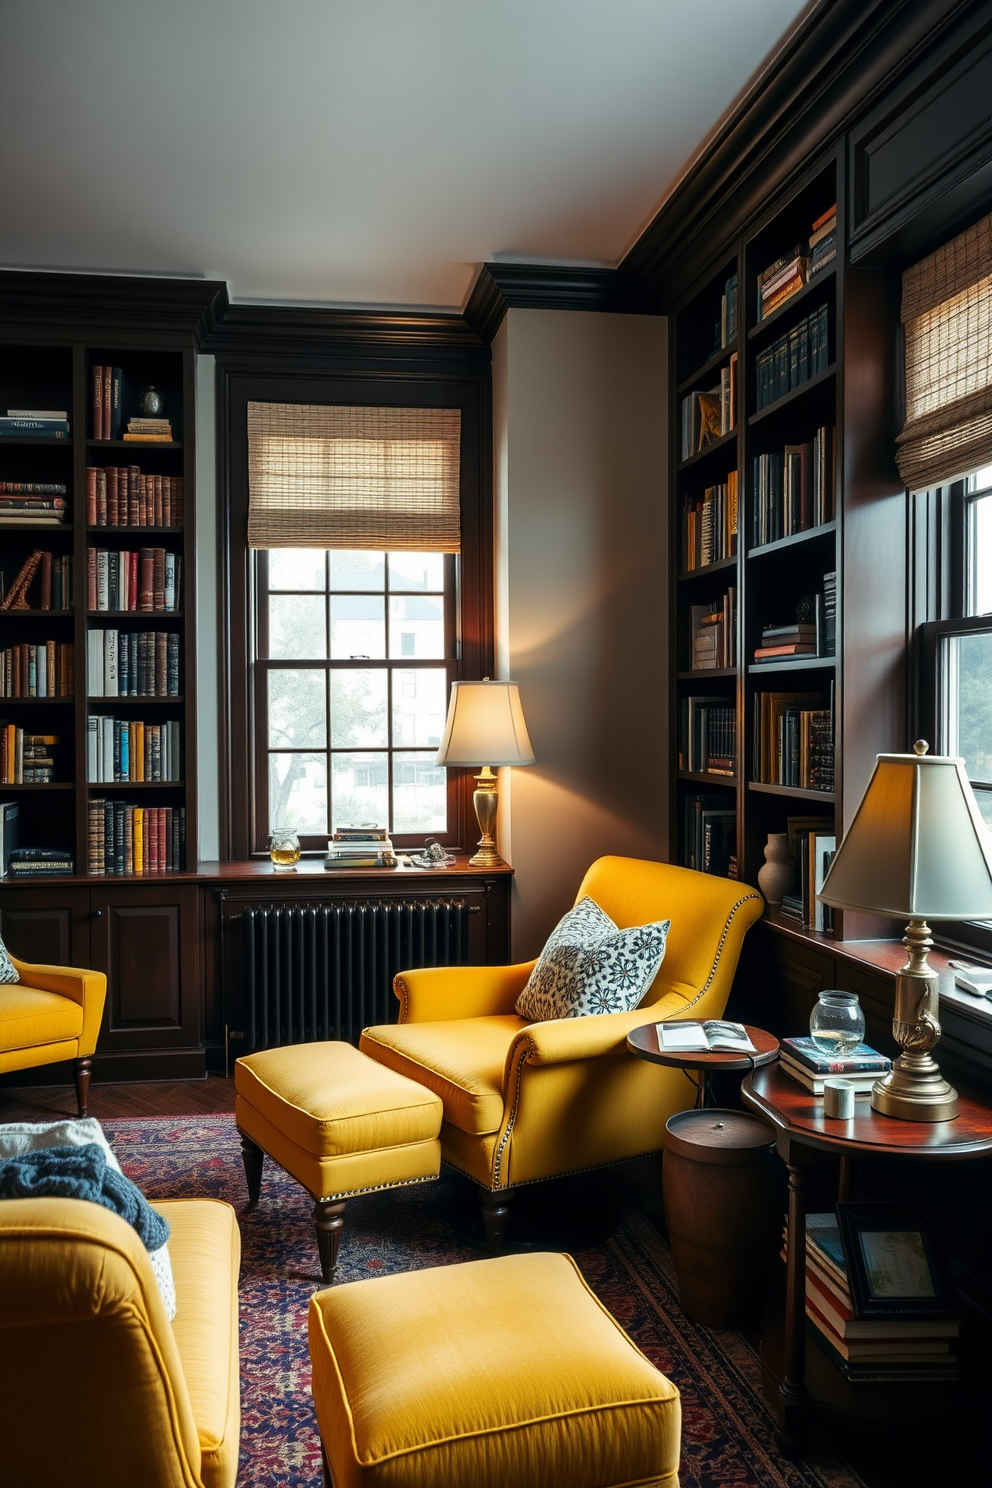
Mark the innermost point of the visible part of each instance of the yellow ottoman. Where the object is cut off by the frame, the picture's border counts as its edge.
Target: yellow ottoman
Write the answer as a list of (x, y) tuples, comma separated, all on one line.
[(486, 1375), (339, 1123)]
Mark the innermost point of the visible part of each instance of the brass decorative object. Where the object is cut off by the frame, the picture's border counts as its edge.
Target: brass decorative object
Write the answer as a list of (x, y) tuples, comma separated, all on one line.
[(916, 850), (485, 726)]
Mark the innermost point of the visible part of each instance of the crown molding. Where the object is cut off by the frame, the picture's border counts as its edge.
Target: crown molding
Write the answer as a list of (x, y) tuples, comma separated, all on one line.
[(836, 61), (185, 308), (504, 286)]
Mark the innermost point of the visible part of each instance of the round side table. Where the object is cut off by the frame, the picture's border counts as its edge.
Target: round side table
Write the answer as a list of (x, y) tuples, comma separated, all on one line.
[(645, 1042)]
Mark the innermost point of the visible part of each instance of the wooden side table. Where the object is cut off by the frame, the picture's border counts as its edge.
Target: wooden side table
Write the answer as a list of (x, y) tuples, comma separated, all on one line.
[(802, 1130), (646, 1043)]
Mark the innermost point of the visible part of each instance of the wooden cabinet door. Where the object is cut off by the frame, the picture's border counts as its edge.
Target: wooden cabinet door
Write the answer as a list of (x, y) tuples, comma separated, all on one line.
[(145, 938), (50, 926)]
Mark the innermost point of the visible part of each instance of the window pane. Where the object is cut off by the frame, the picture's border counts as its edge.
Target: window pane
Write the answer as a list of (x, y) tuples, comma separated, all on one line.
[(419, 794), (297, 627), (298, 792), (416, 626), (359, 790), (296, 568), (358, 627), (358, 709), (968, 670), (980, 555), (297, 710), (419, 706), (984, 799), (358, 570), (416, 571)]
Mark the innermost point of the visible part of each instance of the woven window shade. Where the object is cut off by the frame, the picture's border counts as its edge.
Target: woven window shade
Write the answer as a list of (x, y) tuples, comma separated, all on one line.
[(947, 314), (380, 479)]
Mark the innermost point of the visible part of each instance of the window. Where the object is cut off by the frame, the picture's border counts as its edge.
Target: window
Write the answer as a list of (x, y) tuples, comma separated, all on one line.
[(354, 654)]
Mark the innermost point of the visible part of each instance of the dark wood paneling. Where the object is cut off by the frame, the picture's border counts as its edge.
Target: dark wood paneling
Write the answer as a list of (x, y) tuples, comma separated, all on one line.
[(51, 928), (145, 939)]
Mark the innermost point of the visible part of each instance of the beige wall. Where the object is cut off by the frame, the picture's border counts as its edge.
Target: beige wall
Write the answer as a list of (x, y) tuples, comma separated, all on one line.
[(581, 605)]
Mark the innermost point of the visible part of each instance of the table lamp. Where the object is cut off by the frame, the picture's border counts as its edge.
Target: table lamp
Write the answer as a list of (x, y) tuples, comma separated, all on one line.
[(917, 849), (485, 726)]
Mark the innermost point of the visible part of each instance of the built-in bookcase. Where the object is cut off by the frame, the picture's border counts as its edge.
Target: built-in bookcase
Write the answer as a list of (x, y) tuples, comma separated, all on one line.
[(56, 377)]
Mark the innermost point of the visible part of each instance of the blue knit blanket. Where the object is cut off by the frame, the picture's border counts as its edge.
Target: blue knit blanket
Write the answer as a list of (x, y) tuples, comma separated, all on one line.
[(82, 1173)]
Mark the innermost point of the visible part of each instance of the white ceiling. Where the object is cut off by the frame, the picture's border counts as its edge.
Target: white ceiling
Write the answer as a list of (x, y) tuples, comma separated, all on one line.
[(354, 151)]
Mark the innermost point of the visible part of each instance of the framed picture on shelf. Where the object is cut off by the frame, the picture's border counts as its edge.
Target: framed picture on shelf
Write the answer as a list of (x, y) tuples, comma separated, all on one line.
[(895, 1265)]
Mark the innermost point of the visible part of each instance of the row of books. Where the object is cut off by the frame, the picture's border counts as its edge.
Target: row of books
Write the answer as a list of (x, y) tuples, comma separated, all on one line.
[(868, 1349), (710, 835), (108, 396), (121, 496), (32, 511), (793, 359), (813, 844), (793, 491), (54, 586), (707, 416), (119, 750), (149, 579), (138, 663), (709, 525), (789, 274), (728, 312), (708, 735), (43, 670), (123, 838), (26, 759), (793, 741), (713, 633), (35, 423), (40, 862)]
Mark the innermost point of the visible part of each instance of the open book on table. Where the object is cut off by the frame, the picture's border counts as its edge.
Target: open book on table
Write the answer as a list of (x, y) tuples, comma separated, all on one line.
[(714, 1036)]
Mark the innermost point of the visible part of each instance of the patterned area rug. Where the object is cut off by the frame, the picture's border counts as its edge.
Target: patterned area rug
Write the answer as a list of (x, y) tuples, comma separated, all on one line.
[(727, 1438)]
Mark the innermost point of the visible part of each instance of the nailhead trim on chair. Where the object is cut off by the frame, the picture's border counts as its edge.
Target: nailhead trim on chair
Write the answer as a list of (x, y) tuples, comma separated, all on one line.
[(353, 1193), (747, 899)]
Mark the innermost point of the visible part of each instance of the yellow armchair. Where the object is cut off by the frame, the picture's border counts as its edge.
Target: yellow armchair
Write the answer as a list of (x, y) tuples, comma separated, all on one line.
[(52, 1013), (528, 1101), (97, 1387)]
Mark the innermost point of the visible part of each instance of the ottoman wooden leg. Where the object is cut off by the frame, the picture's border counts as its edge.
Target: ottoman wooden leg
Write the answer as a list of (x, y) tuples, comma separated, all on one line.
[(328, 1221), (83, 1068), (253, 1158), (495, 1213)]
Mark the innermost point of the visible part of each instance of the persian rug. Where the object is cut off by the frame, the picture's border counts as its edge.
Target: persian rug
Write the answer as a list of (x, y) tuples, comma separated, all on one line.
[(727, 1432)]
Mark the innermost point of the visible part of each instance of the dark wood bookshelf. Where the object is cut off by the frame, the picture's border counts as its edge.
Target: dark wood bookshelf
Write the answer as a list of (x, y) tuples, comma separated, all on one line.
[(791, 664), (711, 365), (811, 383), (808, 534), (37, 702), (97, 787), (721, 565), (140, 444), (47, 785), (711, 449), (36, 614), (65, 443), (157, 698), (702, 675), (801, 295), (128, 531), (144, 615), (35, 527), (791, 790), (708, 777)]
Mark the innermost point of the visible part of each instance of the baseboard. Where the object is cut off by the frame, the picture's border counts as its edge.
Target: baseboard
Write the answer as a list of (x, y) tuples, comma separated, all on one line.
[(137, 1068)]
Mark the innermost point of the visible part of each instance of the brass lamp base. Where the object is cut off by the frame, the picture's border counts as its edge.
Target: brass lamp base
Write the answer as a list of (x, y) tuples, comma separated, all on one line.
[(485, 799), (914, 1089)]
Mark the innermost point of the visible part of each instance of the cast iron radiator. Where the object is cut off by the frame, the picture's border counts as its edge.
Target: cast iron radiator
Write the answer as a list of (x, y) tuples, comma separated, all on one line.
[(325, 971)]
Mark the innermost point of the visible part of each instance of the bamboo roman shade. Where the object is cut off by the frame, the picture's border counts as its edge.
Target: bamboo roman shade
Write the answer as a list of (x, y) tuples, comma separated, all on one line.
[(947, 315), (379, 479)]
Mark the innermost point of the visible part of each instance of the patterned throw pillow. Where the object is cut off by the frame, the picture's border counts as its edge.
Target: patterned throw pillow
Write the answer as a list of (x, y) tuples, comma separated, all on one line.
[(8, 971), (590, 966)]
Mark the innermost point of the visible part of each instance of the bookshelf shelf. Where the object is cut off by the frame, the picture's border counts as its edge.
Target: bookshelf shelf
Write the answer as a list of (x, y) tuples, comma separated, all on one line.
[(6, 439), (146, 616), (36, 614), (100, 787), (131, 531), (707, 777), (36, 702), (723, 442), (793, 664), (128, 444), (778, 316), (702, 676), (119, 702), (53, 527), (791, 790), (721, 566), (809, 534), (50, 785), (786, 399), (711, 365)]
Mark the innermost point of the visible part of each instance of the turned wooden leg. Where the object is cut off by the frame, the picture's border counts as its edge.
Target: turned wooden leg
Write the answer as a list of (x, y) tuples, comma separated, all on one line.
[(495, 1213), (253, 1158), (83, 1069), (328, 1221)]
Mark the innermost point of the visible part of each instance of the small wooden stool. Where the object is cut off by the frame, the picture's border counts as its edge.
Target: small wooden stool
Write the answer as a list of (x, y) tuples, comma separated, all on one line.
[(489, 1374), (337, 1122)]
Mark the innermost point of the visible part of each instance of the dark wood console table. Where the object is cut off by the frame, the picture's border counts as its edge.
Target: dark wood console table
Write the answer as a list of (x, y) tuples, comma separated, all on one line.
[(802, 1131)]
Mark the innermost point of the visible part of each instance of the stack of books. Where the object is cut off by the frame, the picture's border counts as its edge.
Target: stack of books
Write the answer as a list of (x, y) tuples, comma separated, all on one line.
[(875, 1350), (124, 838), (35, 423), (793, 359), (32, 503), (54, 583), (139, 663), (780, 281), (45, 670), (26, 759), (713, 633), (823, 241), (803, 1062), (813, 843), (121, 496), (709, 525), (148, 431), (778, 642), (708, 735), (360, 847), (40, 862)]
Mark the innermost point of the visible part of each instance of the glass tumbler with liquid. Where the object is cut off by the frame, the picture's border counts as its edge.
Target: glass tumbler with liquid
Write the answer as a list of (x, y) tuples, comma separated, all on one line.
[(284, 849), (837, 1024)]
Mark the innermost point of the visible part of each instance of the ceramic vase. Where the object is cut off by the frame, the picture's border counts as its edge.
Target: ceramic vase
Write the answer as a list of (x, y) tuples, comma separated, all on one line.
[(778, 873)]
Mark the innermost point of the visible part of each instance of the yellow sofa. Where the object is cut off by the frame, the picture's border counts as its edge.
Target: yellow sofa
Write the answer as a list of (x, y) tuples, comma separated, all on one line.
[(527, 1101), (97, 1388), (52, 1013)]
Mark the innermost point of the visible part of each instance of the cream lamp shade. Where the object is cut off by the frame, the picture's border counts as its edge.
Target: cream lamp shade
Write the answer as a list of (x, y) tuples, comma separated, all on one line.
[(917, 848), (485, 726)]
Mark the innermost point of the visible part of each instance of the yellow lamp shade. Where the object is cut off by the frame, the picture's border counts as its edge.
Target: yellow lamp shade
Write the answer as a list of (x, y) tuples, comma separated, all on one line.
[(485, 726)]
